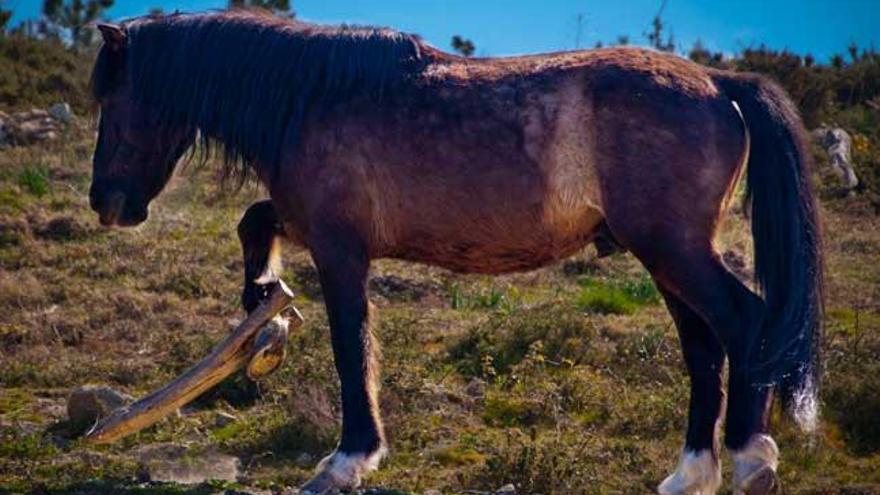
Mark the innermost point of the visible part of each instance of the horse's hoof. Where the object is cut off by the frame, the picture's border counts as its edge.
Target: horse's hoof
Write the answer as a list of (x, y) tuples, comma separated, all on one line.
[(269, 349), (762, 482), (322, 483), (696, 474), (342, 472), (754, 469)]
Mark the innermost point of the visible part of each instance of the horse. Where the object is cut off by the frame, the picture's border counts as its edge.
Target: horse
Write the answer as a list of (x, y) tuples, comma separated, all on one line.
[(373, 144)]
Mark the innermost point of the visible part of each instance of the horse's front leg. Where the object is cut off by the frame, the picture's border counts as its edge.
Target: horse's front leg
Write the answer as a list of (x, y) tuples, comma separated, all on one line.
[(260, 234), (342, 261)]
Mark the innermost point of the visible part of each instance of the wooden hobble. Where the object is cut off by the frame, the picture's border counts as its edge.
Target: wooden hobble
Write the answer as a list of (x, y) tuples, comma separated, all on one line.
[(258, 343)]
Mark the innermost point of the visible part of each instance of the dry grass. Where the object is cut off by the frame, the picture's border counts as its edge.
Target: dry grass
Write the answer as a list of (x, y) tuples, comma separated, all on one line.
[(565, 380)]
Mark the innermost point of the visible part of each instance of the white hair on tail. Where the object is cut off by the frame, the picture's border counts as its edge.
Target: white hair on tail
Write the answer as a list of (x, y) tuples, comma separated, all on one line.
[(805, 406)]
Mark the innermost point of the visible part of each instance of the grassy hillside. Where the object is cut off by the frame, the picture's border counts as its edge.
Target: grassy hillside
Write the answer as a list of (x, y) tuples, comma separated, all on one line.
[(565, 380)]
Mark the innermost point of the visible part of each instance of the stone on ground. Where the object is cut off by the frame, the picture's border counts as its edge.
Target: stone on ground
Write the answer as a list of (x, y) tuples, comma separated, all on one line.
[(89, 403), (169, 462)]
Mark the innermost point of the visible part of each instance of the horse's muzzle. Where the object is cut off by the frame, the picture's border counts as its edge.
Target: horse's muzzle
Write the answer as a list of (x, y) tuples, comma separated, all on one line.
[(110, 211), (118, 209)]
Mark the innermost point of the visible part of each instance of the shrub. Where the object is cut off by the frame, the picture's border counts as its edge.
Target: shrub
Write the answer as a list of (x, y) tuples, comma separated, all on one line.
[(38, 73)]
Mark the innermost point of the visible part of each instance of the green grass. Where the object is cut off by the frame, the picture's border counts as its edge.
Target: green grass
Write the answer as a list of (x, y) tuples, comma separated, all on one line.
[(621, 298), (34, 180)]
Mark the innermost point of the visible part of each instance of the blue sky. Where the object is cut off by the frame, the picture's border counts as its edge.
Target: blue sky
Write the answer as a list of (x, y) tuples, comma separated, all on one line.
[(505, 27)]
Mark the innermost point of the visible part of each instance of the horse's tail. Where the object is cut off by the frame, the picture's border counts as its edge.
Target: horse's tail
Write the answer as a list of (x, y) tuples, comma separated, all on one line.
[(787, 243)]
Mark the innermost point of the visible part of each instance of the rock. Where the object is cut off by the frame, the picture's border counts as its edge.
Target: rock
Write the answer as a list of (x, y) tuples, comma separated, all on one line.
[(507, 489), (169, 462), (838, 144), (223, 418), (432, 491), (61, 112), (89, 403), (33, 126)]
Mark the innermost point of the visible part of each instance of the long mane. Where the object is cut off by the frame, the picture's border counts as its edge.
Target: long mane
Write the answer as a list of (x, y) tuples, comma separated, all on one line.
[(248, 79)]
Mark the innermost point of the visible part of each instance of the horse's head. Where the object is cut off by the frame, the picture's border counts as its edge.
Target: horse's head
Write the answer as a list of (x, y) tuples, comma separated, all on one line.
[(136, 150)]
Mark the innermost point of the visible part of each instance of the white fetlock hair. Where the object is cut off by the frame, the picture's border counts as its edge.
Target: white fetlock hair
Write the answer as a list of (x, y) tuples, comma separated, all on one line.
[(698, 473), (761, 452), (347, 470)]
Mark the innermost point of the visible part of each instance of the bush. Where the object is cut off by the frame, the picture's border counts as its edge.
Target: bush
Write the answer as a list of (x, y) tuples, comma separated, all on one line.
[(38, 73)]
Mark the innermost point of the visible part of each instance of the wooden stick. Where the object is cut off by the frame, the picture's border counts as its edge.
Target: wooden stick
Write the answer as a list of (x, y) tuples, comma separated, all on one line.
[(230, 355)]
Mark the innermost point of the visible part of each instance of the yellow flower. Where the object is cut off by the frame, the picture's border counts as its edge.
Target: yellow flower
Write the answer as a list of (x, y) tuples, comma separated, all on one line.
[(860, 143)]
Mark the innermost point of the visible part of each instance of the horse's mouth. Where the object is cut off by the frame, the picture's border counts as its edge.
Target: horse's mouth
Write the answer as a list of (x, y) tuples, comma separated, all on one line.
[(120, 213), (124, 220)]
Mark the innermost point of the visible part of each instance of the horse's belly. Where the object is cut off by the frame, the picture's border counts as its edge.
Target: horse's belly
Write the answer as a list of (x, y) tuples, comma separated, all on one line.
[(495, 246)]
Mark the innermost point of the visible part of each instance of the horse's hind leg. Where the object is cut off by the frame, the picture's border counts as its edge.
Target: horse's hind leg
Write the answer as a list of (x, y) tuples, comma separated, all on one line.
[(694, 274), (735, 314), (259, 232), (699, 470), (666, 166)]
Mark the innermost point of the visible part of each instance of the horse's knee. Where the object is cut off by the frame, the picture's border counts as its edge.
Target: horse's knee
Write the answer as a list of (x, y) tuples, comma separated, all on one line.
[(259, 232), (257, 220)]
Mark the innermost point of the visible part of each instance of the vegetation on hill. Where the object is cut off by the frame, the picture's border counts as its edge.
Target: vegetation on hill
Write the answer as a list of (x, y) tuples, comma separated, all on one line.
[(39, 72)]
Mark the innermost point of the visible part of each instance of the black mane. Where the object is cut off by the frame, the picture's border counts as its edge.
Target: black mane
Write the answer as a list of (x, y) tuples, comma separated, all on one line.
[(248, 79)]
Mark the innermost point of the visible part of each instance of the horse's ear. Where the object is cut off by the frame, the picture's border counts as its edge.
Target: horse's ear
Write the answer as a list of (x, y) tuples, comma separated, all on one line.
[(114, 36)]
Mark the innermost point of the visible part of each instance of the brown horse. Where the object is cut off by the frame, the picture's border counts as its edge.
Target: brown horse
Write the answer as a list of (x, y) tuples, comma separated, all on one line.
[(373, 144)]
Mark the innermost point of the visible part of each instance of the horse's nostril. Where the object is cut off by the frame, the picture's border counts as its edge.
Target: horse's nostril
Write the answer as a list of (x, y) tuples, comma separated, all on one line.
[(111, 210)]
